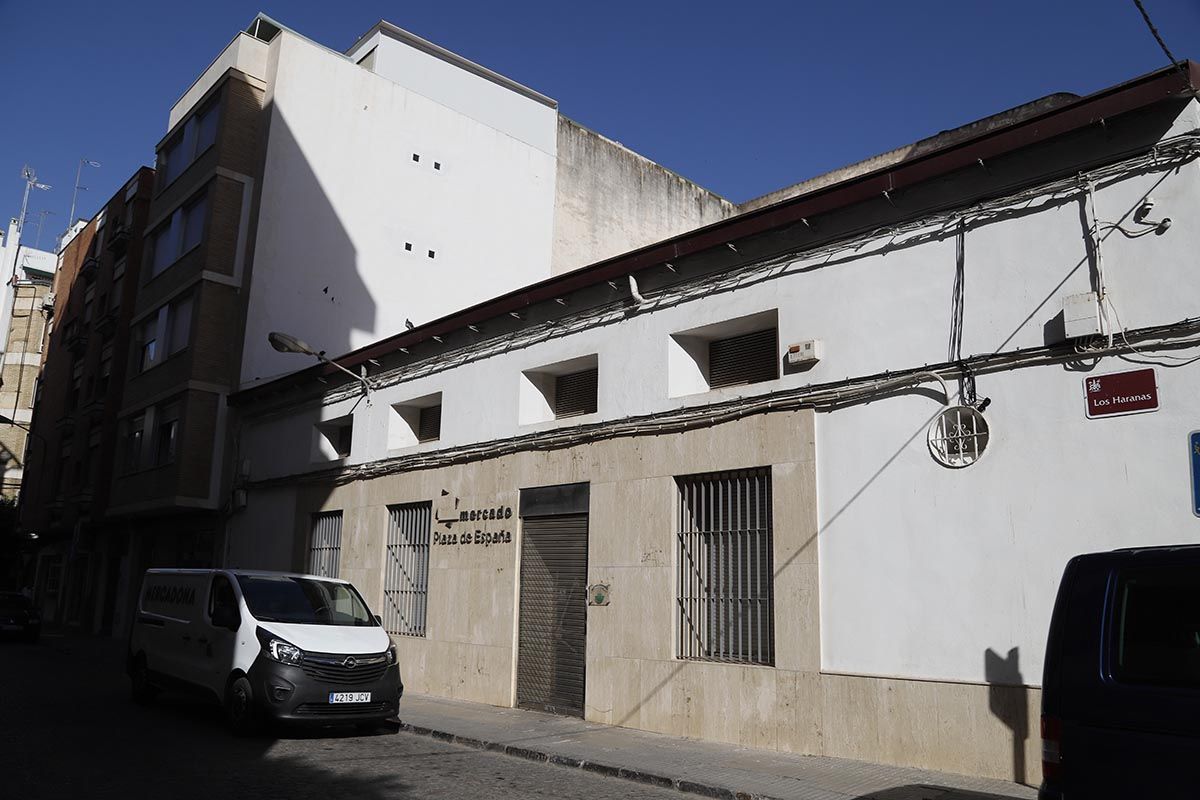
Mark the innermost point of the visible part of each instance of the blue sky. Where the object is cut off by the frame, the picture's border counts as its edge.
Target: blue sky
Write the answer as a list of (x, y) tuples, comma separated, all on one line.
[(741, 98)]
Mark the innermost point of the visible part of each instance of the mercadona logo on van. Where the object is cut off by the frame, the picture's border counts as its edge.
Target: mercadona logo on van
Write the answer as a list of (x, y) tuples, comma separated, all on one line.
[(171, 595)]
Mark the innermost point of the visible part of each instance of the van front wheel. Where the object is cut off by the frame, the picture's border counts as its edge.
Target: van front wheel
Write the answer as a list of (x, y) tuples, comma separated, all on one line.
[(141, 689), (240, 710)]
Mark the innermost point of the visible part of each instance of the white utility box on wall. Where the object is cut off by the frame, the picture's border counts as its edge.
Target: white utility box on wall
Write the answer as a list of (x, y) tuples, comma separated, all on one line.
[(805, 352), (1081, 315)]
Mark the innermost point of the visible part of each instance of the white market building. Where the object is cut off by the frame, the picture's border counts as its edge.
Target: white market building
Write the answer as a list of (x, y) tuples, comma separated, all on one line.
[(652, 513)]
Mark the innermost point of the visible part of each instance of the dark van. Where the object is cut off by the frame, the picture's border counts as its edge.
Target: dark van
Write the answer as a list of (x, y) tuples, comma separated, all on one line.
[(1121, 689)]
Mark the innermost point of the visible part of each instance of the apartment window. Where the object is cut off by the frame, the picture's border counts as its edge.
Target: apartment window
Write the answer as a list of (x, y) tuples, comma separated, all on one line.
[(748, 358), (118, 281), (60, 471), (559, 391), (734, 352), (105, 372), (89, 302), (406, 578), (725, 592), (575, 393), (416, 421), (325, 544), (179, 322), (76, 385), (93, 457), (148, 335), (165, 332), (179, 234), (334, 438), (198, 134), (429, 426), (166, 434), (134, 432)]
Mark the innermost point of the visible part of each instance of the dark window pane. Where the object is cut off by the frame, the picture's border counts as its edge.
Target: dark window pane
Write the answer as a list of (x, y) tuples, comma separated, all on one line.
[(1158, 627)]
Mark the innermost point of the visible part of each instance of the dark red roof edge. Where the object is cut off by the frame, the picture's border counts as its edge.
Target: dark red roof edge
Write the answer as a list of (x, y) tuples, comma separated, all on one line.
[(1138, 93)]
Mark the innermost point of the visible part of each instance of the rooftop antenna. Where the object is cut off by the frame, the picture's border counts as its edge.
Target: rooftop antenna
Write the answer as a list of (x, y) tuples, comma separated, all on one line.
[(75, 194), (31, 182), (41, 215)]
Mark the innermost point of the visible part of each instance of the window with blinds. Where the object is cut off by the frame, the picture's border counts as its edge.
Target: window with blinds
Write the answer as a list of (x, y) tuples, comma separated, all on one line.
[(747, 358), (575, 393), (325, 544), (725, 592), (429, 424), (406, 574)]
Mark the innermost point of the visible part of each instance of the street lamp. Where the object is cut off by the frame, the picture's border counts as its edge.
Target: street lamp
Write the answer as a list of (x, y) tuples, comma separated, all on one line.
[(286, 343)]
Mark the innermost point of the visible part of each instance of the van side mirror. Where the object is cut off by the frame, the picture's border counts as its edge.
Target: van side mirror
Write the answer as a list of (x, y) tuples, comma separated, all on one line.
[(226, 617), (379, 619)]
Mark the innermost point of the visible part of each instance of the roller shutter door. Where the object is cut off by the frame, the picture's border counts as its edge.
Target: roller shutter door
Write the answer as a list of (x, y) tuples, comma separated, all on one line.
[(553, 621)]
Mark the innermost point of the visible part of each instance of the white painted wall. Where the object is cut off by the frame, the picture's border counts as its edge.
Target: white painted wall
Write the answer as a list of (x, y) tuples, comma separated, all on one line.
[(922, 569), (342, 196)]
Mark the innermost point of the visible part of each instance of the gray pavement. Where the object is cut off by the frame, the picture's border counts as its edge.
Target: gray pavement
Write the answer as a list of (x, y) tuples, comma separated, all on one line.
[(68, 730), (712, 769)]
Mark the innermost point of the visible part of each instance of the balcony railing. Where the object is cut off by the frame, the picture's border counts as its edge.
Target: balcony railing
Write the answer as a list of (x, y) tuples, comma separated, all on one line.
[(118, 240)]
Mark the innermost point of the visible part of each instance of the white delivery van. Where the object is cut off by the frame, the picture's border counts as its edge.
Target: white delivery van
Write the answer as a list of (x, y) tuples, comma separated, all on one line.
[(267, 645)]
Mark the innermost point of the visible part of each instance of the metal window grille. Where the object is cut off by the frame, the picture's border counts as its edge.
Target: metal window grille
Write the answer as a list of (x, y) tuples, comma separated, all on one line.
[(958, 437), (406, 576), (725, 567), (429, 424), (325, 547), (575, 394), (748, 358)]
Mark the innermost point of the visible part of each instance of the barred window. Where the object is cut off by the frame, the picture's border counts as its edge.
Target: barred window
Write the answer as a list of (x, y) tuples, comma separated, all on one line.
[(406, 580), (726, 578), (325, 546)]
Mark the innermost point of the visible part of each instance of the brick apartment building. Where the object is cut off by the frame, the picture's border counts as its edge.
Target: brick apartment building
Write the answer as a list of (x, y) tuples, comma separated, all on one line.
[(66, 493), (273, 208)]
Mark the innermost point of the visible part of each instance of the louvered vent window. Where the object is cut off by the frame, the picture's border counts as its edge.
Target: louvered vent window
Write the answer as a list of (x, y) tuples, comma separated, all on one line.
[(725, 590), (748, 358), (325, 546), (575, 394), (406, 576), (429, 424)]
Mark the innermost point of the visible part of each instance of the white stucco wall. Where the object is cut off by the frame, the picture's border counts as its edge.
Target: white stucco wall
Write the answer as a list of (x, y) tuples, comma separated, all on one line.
[(341, 197), (922, 569)]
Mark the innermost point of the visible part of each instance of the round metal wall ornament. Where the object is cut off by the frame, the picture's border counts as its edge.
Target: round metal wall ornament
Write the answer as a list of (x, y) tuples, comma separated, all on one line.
[(958, 437), (598, 594)]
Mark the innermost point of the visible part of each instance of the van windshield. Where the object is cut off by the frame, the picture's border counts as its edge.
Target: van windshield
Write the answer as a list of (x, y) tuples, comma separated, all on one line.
[(303, 601)]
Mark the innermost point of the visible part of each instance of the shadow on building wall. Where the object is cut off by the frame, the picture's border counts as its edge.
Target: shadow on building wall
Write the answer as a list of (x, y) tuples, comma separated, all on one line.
[(307, 277), (1008, 700)]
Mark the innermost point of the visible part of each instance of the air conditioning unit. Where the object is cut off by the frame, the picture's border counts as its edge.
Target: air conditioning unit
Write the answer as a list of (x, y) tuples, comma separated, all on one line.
[(48, 300)]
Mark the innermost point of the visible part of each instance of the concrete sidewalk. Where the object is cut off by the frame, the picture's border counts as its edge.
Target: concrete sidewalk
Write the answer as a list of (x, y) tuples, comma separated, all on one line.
[(705, 768)]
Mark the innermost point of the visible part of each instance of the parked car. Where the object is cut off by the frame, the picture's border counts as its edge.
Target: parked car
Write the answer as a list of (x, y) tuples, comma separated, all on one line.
[(1121, 689), (267, 645), (18, 617)]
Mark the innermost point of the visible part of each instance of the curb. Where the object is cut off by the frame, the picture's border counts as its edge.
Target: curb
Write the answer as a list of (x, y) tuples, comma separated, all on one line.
[(607, 770)]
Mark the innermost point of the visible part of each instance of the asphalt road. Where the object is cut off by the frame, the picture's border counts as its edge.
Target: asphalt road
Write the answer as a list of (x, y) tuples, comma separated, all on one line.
[(68, 730)]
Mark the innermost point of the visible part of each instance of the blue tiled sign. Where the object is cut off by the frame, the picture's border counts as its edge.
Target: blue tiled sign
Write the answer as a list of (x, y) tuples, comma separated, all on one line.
[(1194, 446)]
